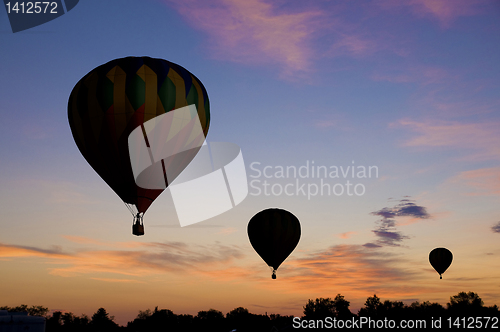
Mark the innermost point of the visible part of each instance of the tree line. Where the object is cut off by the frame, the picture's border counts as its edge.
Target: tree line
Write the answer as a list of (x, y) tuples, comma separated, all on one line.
[(464, 304)]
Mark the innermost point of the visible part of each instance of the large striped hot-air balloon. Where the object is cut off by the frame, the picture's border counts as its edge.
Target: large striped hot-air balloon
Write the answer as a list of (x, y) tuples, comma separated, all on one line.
[(274, 234), (108, 103), (440, 259)]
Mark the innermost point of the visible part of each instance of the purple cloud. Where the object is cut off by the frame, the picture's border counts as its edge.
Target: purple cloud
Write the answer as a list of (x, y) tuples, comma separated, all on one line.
[(496, 228), (386, 230)]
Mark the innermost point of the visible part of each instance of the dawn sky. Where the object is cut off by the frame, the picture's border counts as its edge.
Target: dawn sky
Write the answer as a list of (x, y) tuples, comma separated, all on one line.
[(407, 89)]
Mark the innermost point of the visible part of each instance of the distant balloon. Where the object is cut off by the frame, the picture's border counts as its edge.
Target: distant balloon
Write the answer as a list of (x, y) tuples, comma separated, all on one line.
[(108, 103), (440, 259), (274, 234)]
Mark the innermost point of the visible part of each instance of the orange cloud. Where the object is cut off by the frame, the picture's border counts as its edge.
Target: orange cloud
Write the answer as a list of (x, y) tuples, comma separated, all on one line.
[(119, 280), (352, 270), (144, 260), (346, 235), (82, 240), (253, 31), (12, 251), (227, 231)]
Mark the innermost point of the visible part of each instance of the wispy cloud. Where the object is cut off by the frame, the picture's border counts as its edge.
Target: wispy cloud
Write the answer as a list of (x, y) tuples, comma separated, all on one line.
[(346, 235), (353, 44), (143, 260), (119, 280), (11, 251), (480, 138), (496, 228), (444, 11), (421, 74), (349, 269), (83, 240), (254, 31), (448, 11), (386, 230), (483, 182), (227, 231)]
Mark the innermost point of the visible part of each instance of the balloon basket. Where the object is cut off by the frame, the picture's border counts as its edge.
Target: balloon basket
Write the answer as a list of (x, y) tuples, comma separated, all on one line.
[(138, 226)]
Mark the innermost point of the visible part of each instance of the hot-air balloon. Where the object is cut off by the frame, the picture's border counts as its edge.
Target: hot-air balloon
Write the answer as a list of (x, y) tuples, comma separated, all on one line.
[(440, 259), (274, 234), (123, 96)]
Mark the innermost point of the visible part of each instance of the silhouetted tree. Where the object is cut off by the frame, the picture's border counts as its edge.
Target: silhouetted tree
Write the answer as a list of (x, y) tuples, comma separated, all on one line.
[(102, 322), (81, 323), (461, 305), (372, 306), (393, 309), (319, 308), (211, 320), (68, 319), (341, 306), (238, 318), (426, 309), (144, 314), (465, 300), (54, 323), (211, 314), (281, 322), (34, 310), (186, 323), (73, 323), (242, 320)]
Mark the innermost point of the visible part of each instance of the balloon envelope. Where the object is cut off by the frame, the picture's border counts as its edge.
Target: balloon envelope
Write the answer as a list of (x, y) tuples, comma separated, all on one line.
[(440, 259), (274, 234), (108, 103)]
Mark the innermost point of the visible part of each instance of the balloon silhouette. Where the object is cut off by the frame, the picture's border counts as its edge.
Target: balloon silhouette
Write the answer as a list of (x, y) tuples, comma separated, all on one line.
[(108, 103), (274, 234), (440, 259)]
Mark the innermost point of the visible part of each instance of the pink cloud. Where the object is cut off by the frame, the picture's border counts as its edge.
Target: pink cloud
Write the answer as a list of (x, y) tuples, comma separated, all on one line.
[(346, 235), (484, 181), (354, 45), (423, 75), (253, 31), (480, 138), (445, 11)]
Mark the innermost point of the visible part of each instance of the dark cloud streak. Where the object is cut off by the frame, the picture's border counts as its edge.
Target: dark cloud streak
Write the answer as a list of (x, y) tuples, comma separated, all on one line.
[(496, 228), (386, 231)]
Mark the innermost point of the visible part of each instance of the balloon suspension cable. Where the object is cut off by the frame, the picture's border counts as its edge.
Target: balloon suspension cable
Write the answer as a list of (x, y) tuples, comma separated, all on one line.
[(129, 207), (274, 272), (138, 218)]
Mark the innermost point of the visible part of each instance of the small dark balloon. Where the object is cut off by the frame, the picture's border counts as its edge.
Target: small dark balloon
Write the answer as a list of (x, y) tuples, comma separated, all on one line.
[(274, 234), (440, 259)]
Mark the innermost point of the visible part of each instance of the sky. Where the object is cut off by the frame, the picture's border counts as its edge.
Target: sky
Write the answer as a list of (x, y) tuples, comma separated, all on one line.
[(409, 90)]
